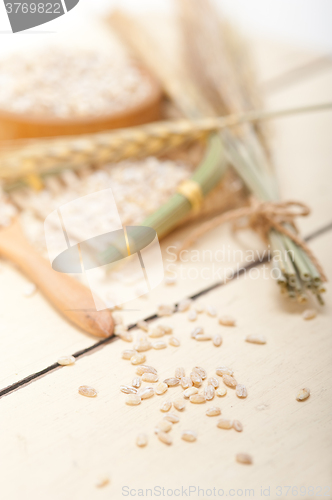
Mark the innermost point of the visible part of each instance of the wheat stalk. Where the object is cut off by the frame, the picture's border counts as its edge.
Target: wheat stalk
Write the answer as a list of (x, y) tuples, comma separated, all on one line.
[(49, 156)]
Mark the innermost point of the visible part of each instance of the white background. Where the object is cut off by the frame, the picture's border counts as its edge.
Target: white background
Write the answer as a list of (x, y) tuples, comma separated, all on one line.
[(306, 23)]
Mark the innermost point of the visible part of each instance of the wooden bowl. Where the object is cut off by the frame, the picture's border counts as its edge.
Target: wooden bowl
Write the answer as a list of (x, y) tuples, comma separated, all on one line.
[(22, 126)]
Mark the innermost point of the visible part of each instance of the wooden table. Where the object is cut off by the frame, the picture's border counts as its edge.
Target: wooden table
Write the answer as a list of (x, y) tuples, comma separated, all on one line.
[(58, 444)]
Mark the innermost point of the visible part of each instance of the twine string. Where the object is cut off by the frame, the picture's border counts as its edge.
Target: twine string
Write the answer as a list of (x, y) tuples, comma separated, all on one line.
[(262, 217)]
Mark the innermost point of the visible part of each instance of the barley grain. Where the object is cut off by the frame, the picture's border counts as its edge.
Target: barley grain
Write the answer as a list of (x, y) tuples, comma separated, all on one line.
[(66, 360), (150, 377), (189, 436), (197, 399), (136, 382), (241, 391), (201, 372), (217, 340), (224, 370), (198, 330), (133, 400), (172, 382), (303, 394), (165, 310), (164, 438), (172, 418), (196, 379), (125, 336), (209, 392), (214, 411), (159, 344), (163, 426), (203, 337), (192, 315), (138, 359), (145, 369), (227, 321), (213, 381), (127, 389), (156, 332), (224, 423), (174, 342), (184, 305), (237, 426), (142, 440), (166, 329), (221, 392), (165, 406), (244, 458), (309, 314), (211, 311), (143, 325), (86, 390), (128, 353), (189, 392), (143, 346), (256, 339), (180, 372), (186, 382), (160, 388), (120, 329), (146, 392), (229, 381), (179, 404)]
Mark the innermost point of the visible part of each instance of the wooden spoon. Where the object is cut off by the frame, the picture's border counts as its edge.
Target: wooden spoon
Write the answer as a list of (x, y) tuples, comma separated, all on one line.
[(63, 291)]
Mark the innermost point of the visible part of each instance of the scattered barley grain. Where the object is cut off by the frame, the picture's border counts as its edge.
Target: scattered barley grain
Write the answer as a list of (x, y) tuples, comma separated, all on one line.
[(217, 340), (224, 370), (229, 381), (241, 391), (221, 392), (164, 438), (224, 423), (172, 382), (150, 377), (136, 382), (237, 426), (66, 360), (127, 389), (142, 440), (213, 411), (172, 418), (227, 321), (145, 369), (174, 342), (179, 404), (256, 339), (138, 359), (133, 400), (197, 399), (303, 394), (128, 353), (160, 388), (165, 406), (86, 390), (244, 458), (190, 392), (189, 436)]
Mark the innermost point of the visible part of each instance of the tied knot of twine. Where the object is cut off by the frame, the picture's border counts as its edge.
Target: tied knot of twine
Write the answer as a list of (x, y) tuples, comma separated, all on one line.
[(262, 216)]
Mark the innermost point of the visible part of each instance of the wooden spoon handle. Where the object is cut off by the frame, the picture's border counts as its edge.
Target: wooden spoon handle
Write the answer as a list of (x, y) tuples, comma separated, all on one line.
[(70, 297)]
